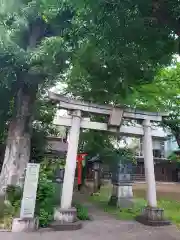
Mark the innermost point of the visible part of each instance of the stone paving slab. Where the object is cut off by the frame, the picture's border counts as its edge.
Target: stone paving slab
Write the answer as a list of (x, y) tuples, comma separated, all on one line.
[(110, 229)]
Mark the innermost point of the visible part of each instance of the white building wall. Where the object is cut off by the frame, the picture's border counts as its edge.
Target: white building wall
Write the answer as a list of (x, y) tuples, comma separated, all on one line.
[(170, 146)]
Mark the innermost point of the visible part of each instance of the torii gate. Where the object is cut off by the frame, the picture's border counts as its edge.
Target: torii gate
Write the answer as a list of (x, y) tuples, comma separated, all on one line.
[(116, 116)]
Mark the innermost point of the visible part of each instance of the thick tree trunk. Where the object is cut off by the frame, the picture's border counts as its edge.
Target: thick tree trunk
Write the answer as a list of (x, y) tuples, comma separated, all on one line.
[(17, 152)]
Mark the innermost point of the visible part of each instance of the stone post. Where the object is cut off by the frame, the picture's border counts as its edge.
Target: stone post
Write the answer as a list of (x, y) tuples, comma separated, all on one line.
[(96, 169), (66, 213), (59, 179), (152, 215), (122, 194), (149, 164)]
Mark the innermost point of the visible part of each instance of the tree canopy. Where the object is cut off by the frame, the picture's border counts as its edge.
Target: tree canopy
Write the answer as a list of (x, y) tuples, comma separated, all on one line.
[(103, 49), (125, 44), (116, 44), (162, 95)]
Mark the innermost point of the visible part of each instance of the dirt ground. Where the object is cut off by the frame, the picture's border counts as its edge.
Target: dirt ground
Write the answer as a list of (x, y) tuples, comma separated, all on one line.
[(169, 190), (164, 190)]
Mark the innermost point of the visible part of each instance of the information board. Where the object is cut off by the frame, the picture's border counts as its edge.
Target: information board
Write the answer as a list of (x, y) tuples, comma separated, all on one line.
[(30, 189)]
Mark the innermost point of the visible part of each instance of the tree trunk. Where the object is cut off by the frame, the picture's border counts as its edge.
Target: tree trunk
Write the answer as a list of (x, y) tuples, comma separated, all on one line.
[(178, 139), (17, 152)]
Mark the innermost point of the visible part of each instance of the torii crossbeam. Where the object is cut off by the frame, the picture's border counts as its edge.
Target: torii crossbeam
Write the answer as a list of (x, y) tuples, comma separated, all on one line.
[(116, 115)]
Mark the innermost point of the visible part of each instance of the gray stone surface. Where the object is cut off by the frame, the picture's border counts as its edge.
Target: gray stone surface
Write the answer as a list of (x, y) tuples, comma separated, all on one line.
[(100, 230), (24, 225), (65, 215), (103, 227)]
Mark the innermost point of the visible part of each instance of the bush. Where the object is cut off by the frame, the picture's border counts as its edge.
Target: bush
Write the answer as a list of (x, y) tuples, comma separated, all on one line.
[(45, 198), (8, 209), (14, 194), (5, 210), (82, 212), (45, 201)]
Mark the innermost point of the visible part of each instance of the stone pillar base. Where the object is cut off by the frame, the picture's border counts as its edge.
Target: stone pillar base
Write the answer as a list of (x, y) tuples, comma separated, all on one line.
[(25, 225), (153, 217), (122, 196), (65, 220), (121, 202), (65, 215)]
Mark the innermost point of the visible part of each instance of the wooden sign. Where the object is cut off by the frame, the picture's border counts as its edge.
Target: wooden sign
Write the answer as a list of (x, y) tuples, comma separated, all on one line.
[(30, 188)]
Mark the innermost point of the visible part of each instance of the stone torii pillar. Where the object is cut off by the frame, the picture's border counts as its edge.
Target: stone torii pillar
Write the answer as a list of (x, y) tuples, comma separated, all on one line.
[(152, 215), (70, 167), (66, 213), (149, 164)]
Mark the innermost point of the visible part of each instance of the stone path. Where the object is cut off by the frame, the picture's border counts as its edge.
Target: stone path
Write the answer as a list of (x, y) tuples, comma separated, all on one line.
[(102, 227)]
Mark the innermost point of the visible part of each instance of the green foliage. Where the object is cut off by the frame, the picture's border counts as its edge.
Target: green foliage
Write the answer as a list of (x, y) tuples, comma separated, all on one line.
[(163, 95), (167, 202), (11, 207), (107, 46), (5, 210), (103, 144), (38, 59), (82, 212), (174, 157), (42, 128), (45, 201), (121, 155), (102, 200), (95, 142), (126, 155), (14, 195), (33, 52), (49, 166), (113, 57)]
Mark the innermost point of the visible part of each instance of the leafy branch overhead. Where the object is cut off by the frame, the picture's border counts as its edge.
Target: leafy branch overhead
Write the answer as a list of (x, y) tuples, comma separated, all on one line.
[(163, 95), (126, 44)]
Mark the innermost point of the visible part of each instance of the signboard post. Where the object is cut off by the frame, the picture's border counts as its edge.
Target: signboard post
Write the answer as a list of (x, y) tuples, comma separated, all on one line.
[(27, 222), (30, 188)]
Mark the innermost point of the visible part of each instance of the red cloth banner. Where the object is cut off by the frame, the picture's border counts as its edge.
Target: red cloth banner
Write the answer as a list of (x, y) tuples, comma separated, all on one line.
[(80, 158)]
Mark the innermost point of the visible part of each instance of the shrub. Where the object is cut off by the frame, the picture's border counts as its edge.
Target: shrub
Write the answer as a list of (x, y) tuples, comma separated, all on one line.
[(82, 212), (14, 195), (45, 199), (7, 212)]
